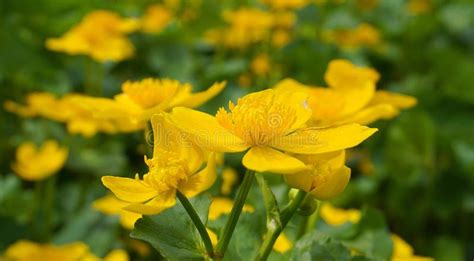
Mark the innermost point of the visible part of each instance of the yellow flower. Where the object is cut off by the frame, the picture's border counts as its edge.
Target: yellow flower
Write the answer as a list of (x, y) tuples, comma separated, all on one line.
[(176, 166), (33, 163), (269, 123), (156, 18), (260, 65), (350, 98), (24, 250), (338, 216), (221, 206), (286, 4), (111, 205), (140, 100), (417, 7), (402, 251), (326, 178), (364, 35), (100, 35), (280, 38), (229, 178), (117, 255), (282, 244), (212, 236)]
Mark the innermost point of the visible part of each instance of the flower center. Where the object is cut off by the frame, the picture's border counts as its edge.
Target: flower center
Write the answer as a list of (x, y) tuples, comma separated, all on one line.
[(166, 171), (258, 118)]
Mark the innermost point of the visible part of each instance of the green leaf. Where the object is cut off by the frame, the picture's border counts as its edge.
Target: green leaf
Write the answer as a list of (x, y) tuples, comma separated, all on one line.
[(172, 232), (317, 246)]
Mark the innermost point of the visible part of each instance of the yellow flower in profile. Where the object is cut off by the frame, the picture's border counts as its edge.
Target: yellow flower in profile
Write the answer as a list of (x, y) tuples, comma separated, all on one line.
[(140, 100), (156, 18), (350, 98), (222, 206), (402, 251), (364, 35), (269, 123), (177, 165), (37, 163), (286, 4), (326, 177), (229, 178), (282, 244), (111, 205), (260, 65), (24, 250), (338, 216), (100, 35)]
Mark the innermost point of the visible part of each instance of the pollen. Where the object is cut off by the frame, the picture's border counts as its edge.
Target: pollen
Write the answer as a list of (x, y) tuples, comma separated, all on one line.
[(166, 172)]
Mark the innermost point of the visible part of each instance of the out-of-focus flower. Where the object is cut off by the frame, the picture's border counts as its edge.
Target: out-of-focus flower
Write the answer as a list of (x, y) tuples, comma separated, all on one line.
[(326, 177), (280, 38), (212, 236), (37, 163), (260, 65), (270, 123), (338, 216), (417, 7), (282, 244), (222, 206), (100, 35), (156, 18), (364, 35), (245, 80), (286, 4), (25, 250), (402, 251), (229, 178), (367, 5), (176, 166), (350, 98), (140, 100), (111, 205)]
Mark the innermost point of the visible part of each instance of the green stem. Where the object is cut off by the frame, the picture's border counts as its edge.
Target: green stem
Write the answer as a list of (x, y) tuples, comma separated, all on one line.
[(272, 235), (197, 223), (235, 214)]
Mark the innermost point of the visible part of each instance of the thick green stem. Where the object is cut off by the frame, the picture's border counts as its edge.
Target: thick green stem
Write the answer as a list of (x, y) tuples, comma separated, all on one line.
[(197, 223), (235, 214), (272, 235)]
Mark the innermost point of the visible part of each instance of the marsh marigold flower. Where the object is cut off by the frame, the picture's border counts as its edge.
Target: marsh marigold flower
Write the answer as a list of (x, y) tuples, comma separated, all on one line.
[(37, 163), (229, 178), (221, 206), (260, 65), (350, 98), (100, 35), (282, 244), (402, 251), (156, 18), (364, 35), (140, 100), (176, 165), (111, 205), (269, 123), (338, 216)]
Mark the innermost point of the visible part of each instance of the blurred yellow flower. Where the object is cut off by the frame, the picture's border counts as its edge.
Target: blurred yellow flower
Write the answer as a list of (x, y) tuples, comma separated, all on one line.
[(212, 236), (229, 178), (176, 166), (37, 163), (417, 7), (140, 100), (156, 18), (282, 244), (338, 216), (101, 35), (364, 35), (260, 65), (111, 205), (402, 251), (222, 206), (269, 123), (326, 178), (350, 98), (286, 4), (367, 5)]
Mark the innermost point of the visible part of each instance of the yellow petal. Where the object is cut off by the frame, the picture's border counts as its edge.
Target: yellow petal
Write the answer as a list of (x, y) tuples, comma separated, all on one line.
[(396, 99), (196, 99), (372, 114), (130, 190), (154, 206), (109, 205), (200, 181), (321, 140), (266, 159), (342, 73), (220, 206), (212, 236), (128, 219), (117, 255), (332, 183), (289, 85), (338, 216), (205, 131), (282, 244)]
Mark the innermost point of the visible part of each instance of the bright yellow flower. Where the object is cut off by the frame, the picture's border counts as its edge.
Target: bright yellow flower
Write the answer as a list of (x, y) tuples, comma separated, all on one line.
[(33, 163), (229, 178), (222, 206), (282, 244), (286, 4), (350, 98), (176, 166), (260, 65), (100, 35), (140, 100), (326, 178), (111, 205), (402, 251), (417, 7), (269, 123), (156, 18), (364, 35), (338, 216), (24, 250)]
